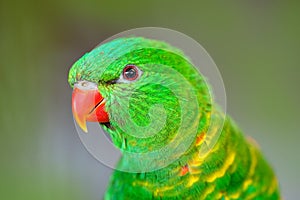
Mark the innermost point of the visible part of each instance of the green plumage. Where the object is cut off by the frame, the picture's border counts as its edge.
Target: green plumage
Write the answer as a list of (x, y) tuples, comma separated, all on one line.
[(170, 98)]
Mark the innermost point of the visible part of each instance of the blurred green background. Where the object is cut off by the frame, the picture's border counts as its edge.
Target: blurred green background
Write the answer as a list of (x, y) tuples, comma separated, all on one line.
[(255, 44)]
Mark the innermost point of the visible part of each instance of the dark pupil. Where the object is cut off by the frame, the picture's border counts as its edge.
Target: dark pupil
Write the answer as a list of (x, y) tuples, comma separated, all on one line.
[(130, 73)]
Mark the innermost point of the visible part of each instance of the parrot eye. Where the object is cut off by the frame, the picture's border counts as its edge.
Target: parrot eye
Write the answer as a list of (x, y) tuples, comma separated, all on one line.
[(130, 73)]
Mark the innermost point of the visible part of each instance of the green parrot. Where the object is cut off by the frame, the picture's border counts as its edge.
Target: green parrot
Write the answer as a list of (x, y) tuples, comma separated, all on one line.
[(158, 111)]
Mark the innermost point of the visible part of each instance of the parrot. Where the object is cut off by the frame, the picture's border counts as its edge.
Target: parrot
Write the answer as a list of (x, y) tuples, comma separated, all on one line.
[(147, 96)]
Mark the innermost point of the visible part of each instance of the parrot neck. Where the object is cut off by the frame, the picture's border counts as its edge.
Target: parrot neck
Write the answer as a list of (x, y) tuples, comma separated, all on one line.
[(233, 169), (184, 172)]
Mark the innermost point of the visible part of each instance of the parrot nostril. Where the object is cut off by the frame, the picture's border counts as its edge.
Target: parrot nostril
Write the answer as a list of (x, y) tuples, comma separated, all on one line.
[(86, 85)]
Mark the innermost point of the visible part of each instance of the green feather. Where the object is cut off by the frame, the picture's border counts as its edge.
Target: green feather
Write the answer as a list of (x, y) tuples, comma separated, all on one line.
[(146, 115)]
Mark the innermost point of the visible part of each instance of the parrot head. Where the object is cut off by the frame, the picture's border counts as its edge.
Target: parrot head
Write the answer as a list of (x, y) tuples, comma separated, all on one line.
[(141, 91)]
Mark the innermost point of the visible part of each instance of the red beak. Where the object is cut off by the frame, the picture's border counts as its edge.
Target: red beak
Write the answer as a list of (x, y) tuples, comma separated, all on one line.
[(88, 104)]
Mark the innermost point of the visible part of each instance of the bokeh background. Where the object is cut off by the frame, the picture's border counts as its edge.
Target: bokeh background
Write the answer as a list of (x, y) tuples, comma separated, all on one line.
[(255, 44)]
